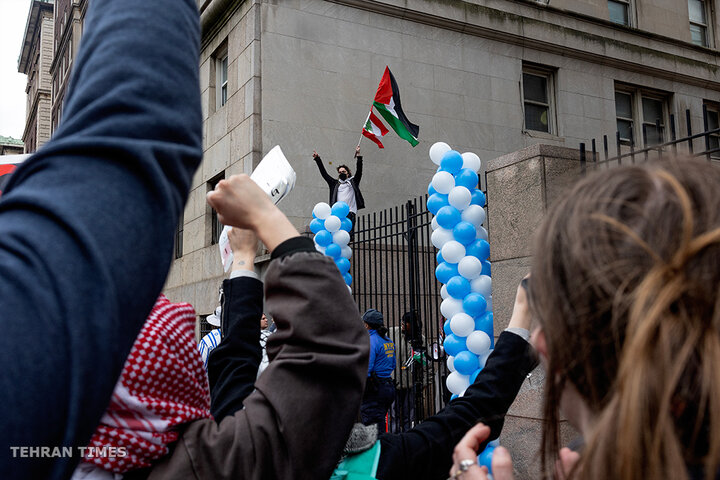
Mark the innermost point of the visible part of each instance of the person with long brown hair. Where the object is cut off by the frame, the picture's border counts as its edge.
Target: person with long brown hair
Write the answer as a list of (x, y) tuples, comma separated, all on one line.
[(625, 287)]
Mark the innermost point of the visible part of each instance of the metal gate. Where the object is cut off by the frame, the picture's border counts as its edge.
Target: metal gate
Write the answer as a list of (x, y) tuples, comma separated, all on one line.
[(393, 269)]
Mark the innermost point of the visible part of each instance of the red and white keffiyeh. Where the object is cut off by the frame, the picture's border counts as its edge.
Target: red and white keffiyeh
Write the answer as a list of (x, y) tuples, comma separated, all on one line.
[(163, 384)]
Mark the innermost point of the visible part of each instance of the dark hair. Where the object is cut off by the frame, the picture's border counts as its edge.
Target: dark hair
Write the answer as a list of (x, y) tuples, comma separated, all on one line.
[(381, 329), (346, 168), (625, 280), (414, 334)]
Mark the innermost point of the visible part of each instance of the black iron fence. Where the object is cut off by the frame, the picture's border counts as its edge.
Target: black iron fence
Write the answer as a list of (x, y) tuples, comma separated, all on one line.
[(705, 143), (393, 269)]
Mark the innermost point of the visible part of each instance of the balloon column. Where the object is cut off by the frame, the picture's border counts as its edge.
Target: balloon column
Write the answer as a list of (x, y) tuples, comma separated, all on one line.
[(463, 267), (331, 228)]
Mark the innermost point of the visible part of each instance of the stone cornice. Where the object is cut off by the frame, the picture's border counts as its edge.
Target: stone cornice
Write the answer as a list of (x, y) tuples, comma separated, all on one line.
[(540, 28)]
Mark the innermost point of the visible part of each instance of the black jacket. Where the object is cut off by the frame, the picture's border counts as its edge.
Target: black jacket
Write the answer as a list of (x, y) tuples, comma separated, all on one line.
[(334, 183), (426, 450)]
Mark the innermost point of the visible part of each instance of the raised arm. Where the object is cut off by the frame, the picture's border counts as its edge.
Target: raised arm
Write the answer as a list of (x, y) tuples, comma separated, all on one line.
[(328, 179), (233, 365), (315, 379), (86, 225), (358, 166), (426, 450)]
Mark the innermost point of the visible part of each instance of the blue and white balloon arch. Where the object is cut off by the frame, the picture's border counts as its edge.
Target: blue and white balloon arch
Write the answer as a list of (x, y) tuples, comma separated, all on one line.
[(463, 267)]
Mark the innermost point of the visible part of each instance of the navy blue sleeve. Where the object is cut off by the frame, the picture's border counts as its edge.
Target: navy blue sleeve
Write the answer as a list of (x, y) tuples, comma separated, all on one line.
[(426, 450), (86, 226), (233, 365)]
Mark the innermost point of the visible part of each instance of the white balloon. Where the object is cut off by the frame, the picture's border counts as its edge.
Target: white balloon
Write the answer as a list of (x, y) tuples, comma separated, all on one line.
[(434, 225), (349, 289), (481, 234), (459, 197), (451, 363), (483, 358), (443, 292), (482, 285), (322, 210), (471, 161), (470, 267), (341, 237), (451, 307), (440, 237), (489, 303), (320, 249), (437, 150), (478, 342), (462, 324), (332, 224), (474, 214), (453, 251), (442, 182), (346, 252), (456, 382)]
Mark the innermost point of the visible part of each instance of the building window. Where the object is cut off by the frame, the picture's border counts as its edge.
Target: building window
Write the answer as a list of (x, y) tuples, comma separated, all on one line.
[(619, 11), (637, 110), (221, 76), (538, 99), (216, 226), (713, 122), (179, 235), (698, 22)]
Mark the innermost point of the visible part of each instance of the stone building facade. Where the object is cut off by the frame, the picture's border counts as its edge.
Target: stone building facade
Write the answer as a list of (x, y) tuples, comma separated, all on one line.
[(68, 20), (35, 59), (10, 146), (491, 76)]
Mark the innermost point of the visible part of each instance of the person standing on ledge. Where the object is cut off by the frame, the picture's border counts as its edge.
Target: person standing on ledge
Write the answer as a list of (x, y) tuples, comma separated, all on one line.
[(345, 188)]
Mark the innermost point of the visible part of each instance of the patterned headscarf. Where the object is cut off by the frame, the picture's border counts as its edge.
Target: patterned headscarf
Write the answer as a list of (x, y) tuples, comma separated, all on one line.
[(163, 385)]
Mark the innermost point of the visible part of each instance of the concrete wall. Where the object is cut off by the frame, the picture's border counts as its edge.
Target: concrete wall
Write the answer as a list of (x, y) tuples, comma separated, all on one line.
[(521, 187)]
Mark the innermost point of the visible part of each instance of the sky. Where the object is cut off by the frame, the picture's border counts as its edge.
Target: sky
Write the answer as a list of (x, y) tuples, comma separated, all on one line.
[(13, 15)]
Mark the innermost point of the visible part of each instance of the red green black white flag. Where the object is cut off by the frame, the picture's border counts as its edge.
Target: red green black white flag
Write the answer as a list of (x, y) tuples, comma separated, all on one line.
[(387, 103), (374, 129)]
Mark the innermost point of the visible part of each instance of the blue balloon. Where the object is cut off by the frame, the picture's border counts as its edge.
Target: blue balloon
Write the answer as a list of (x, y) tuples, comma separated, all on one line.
[(313, 214), (348, 279), (346, 224), (454, 344), (333, 250), (316, 225), (484, 323), (478, 198), (445, 271), (464, 232), (343, 265), (485, 458), (466, 362), (323, 238), (431, 189), (473, 377), (458, 287), (474, 304), (454, 396), (448, 216), (451, 162), (467, 178), (485, 268), (435, 202), (439, 257), (479, 248), (340, 209), (446, 328)]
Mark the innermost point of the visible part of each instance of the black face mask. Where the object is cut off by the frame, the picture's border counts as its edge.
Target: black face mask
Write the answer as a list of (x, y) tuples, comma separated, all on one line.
[(343, 176)]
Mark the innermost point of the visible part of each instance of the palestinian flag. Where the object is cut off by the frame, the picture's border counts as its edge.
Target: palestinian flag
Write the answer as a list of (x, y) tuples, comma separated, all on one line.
[(374, 129), (387, 103)]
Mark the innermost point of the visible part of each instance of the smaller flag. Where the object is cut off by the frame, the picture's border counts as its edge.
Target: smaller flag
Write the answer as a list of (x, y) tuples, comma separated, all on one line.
[(374, 129)]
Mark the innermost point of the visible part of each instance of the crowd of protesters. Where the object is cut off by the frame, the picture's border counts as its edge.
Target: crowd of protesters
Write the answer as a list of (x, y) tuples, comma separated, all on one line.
[(624, 288)]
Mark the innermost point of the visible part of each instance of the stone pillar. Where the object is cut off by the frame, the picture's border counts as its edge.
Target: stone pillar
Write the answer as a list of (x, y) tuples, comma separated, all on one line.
[(521, 186)]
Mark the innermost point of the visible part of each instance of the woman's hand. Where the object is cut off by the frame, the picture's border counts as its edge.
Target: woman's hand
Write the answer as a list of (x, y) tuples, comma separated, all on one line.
[(465, 464)]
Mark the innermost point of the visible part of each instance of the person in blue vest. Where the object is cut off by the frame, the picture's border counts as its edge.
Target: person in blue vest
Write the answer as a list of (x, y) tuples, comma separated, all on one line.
[(380, 387)]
